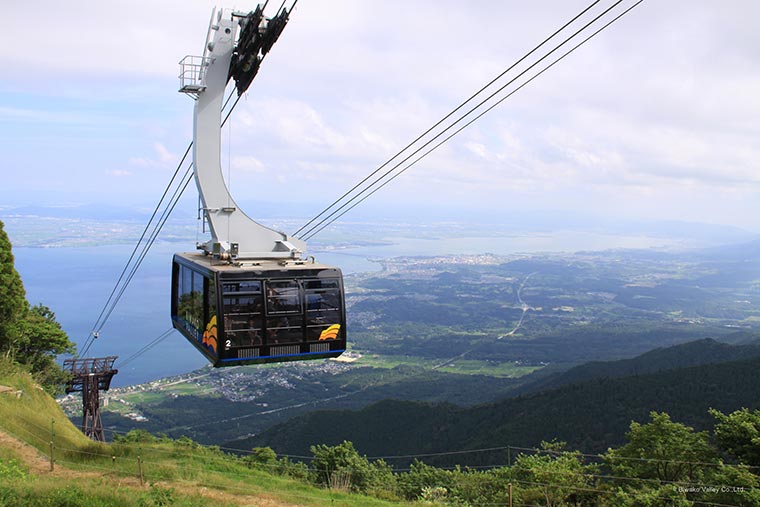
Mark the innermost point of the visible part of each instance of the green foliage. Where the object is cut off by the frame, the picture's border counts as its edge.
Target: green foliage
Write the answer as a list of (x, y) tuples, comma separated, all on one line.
[(185, 441), (12, 469), (51, 493), (489, 487), (549, 477), (159, 497), (39, 338), (340, 467), (382, 482), (265, 459), (674, 465), (553, 477), (739, 434), (29, 335), (732, 485), (136, 436), (13, 303), (438, 496), (421, 477), (262, 457), (646, 495), (662, 450), (41, 335), (293, 469)]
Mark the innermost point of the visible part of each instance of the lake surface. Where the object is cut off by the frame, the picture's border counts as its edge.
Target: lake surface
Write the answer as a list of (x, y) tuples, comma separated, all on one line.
[(75, 283)]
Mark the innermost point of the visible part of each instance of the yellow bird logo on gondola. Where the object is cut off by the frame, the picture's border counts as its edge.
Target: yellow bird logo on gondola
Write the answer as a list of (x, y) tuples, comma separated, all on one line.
[(330, 333), (209, 336)]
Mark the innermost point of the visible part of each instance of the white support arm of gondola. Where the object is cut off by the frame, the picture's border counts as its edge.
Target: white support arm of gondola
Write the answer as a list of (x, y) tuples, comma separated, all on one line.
[(233, 233)]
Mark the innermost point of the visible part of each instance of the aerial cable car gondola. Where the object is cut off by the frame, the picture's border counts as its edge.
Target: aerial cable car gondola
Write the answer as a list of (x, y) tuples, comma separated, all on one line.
[(249, 296)]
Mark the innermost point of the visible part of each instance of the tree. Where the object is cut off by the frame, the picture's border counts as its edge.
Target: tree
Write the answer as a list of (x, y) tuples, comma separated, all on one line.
[(663, 450), (422, 477), (341, 467), (678, 466), (38, 338), (29, 336), (733, 485), (13, 304), (554, 477), (262, 457), (739, 434), (488, 487), (647, 495)]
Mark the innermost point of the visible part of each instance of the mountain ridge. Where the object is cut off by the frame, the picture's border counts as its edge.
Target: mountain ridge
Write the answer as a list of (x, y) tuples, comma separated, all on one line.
[(684, 355)]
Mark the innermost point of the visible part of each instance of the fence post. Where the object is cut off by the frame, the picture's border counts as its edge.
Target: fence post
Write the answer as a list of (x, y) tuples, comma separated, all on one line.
[(52, 444), (509, 493)]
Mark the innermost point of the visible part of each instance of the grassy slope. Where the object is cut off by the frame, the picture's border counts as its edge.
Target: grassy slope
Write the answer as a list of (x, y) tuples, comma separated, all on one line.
[(88, 473), (32, 416)]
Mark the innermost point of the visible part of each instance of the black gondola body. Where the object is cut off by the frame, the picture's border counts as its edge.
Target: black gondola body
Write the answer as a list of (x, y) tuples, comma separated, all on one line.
[(258, 313)]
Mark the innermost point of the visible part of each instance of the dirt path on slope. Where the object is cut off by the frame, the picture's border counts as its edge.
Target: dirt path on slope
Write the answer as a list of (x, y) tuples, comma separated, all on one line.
[(32, 458), (39, 464)]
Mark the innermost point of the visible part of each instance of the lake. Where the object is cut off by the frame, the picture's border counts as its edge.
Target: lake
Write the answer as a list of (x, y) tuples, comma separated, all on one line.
[(76, 281)]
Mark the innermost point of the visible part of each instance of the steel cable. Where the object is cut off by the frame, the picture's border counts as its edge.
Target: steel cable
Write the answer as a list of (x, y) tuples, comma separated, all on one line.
[(337, 213), (325, 223)]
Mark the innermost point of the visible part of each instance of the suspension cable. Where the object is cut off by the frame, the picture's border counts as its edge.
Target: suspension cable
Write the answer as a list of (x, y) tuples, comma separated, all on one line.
[(117, 291), (337, 213), (98, 325), (325, 223), (130, 266), (462, 117), (146, 347), (178, 194), (439, 122)]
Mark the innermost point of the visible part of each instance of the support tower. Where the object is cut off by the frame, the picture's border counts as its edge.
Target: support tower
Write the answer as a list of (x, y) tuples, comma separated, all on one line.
[(90, 375)]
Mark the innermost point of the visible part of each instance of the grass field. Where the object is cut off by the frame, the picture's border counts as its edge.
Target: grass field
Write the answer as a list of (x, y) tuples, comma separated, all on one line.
[(138, 471), (460, 366)]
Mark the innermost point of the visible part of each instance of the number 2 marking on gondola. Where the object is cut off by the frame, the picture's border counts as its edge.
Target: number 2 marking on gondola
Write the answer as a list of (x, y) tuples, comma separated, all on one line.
[(227, 344)]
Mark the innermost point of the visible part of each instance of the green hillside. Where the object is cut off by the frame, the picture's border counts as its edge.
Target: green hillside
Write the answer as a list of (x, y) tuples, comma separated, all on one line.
[(590, 416), (174, 472), (28, 413)]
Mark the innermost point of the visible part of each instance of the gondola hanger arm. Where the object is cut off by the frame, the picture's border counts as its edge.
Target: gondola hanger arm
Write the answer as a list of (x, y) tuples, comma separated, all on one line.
[(235, 45)]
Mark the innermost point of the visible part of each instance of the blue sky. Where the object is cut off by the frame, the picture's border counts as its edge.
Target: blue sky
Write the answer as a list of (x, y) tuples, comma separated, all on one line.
[(658, 117)]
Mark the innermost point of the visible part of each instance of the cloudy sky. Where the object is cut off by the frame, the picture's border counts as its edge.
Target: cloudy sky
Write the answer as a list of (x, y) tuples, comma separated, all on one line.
[(657, 117)]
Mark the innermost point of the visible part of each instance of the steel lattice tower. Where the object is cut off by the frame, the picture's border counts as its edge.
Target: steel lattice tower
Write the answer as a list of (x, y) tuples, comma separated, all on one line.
[(90, 376)]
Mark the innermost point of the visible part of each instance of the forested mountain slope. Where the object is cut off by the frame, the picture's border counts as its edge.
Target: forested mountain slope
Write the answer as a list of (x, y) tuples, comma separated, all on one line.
[(591, 415), (695, 353)]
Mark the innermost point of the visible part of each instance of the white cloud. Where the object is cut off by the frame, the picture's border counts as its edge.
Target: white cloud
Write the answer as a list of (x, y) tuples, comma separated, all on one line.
[(119, 173), (160, 158), (164, 155), (248, 164), (140, 162), (661, 108), (477, 148)]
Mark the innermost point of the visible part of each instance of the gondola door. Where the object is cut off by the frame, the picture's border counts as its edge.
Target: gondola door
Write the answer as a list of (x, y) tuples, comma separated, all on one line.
[(284, 317)]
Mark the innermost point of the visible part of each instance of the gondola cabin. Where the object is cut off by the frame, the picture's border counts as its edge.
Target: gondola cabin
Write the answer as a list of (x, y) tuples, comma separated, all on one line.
[(260, 312)]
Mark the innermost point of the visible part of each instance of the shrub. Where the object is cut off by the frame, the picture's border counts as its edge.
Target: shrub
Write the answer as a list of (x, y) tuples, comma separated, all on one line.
[(11, 470)]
